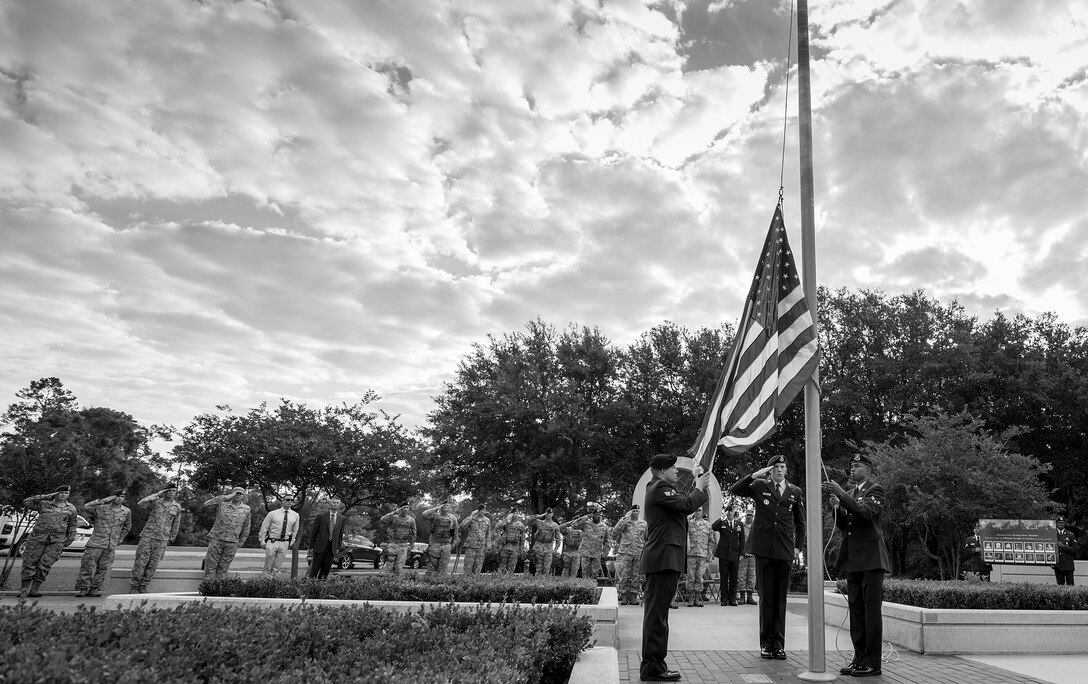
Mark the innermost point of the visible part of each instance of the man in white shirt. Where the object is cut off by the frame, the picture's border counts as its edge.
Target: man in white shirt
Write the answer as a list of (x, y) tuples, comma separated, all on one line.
[(278, 533)]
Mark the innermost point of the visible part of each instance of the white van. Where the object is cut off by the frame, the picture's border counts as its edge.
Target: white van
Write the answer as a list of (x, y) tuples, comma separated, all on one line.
[(14, 526)]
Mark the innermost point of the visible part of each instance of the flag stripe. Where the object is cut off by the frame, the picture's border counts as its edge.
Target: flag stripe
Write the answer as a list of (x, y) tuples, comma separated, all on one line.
[(774, 354)]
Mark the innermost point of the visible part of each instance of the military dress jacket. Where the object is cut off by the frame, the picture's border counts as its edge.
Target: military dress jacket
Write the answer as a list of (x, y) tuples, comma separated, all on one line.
[(667, 512), (971, 553), (779, 525), (730, 539), (858, 519), (1067, 549)]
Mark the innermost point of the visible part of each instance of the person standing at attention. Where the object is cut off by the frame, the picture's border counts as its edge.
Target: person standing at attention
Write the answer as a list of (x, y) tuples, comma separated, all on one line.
[(864, 558), (777, 534), (326, 536), (278, 532), (663, 559)]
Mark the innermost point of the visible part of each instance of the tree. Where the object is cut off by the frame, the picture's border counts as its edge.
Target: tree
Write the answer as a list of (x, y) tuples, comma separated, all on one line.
[(943, 476)]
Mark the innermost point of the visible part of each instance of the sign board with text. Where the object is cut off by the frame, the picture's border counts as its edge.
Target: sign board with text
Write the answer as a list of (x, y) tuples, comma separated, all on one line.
[(1019, 542)]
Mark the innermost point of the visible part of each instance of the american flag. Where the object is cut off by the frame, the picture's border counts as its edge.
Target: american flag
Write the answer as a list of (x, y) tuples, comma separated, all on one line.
[(773, 356)]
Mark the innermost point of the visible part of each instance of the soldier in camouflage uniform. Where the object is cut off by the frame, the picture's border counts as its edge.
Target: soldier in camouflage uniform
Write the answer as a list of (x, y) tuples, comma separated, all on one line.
[(161, 528), (231, 527), (629, 535), (594, 533), (112, 521), (402, 534), (700, 539), (443, 537), (546, 534), (476, 538), (54, 529), (510, 534), (572, 539)]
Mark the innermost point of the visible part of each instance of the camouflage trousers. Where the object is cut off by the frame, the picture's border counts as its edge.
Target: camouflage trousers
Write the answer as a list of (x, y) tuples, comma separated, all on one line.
[(696, 570), (219, 557), (38, 557), (629, 578), (94, 568), (542, 558), (508, 558), (746, 574), (439, 557), (474, 560), (148, 554), (396, 554), (591, 567), (571, 561)]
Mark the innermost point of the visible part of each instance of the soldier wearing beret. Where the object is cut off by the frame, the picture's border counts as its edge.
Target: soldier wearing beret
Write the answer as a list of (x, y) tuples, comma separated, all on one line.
[(864, 558), (663, 559), (161, 528), (54, 529), (402, 534), (777, 535), (112, 521), (1067, 550)]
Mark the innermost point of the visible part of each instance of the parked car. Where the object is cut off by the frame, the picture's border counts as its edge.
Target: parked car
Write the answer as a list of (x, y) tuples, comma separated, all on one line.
[(417, 556), (13, 533), (359, 549)]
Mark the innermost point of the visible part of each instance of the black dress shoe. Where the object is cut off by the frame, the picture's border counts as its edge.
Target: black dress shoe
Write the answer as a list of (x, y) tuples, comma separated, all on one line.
[(849, 669), (666, 676), (779, 655), (865, 671), (766, 653)]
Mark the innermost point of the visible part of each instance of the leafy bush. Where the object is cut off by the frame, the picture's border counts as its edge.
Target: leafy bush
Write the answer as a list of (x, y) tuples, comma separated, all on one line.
[(197, 642), (441, 588), (982, 595)]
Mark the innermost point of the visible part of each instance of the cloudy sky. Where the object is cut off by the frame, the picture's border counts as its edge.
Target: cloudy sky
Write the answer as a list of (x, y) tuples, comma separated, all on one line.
[(231, 202)]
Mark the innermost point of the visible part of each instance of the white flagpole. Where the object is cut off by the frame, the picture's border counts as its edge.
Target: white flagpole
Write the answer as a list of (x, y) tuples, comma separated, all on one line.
[(817, 665)]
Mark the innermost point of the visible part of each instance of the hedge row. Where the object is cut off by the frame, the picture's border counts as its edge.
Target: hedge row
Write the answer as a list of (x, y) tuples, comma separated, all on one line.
[(982, 595), (199, 643), (437, 588)]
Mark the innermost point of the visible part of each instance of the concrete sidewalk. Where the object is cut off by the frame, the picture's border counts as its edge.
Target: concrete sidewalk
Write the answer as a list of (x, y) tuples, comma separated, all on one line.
[(721, 644)]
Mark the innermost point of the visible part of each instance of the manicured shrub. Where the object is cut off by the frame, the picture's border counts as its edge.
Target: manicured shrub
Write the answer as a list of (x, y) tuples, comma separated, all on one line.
[(199, 643), (424, 588), (982, 595)]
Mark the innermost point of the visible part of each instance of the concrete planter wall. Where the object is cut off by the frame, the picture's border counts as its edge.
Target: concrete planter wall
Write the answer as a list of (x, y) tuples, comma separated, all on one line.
[(604, 613), (978, 632)]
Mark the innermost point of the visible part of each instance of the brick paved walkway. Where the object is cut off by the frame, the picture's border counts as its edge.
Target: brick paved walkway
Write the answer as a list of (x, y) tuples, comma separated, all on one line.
[(746, 667)]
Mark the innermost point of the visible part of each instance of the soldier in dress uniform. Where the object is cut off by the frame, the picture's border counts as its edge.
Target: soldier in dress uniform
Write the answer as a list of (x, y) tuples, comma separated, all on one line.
[(443, 537), (54, 529), (231, 527), (476, 539), (112, 521), (161, 527), (402, 534), (510, 534), (1067, 551), (864, 558), (971, 554), (572, 540), (728, 551), (545, 536), (629, 535), (700, 537), (594, 533), (777, 535)]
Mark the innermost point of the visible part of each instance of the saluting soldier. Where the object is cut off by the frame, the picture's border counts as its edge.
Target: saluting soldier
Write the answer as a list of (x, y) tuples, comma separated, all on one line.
[(112, 521), (54, 529), (443, 537), (402, 534), (864, 558), (629, 535), (511, 536), (476, 538), (700, 537), (1067, 550), (231, 527), (777, 535), (594, 533), (572, 540), (161, 528), (546, 534)]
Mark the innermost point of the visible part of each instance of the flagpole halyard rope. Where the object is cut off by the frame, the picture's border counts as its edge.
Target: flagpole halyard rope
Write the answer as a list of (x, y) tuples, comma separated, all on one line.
[(785, 110)]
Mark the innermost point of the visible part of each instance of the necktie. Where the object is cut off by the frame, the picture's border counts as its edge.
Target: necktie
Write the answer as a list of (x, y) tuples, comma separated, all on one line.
[(332, 522), (283, 530), (779, 488)]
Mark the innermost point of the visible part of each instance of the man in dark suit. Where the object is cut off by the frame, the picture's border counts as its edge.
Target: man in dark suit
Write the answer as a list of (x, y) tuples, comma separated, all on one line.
[(864, 558), (663, 559), (326, 535), (777, 535), (728, 552)]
